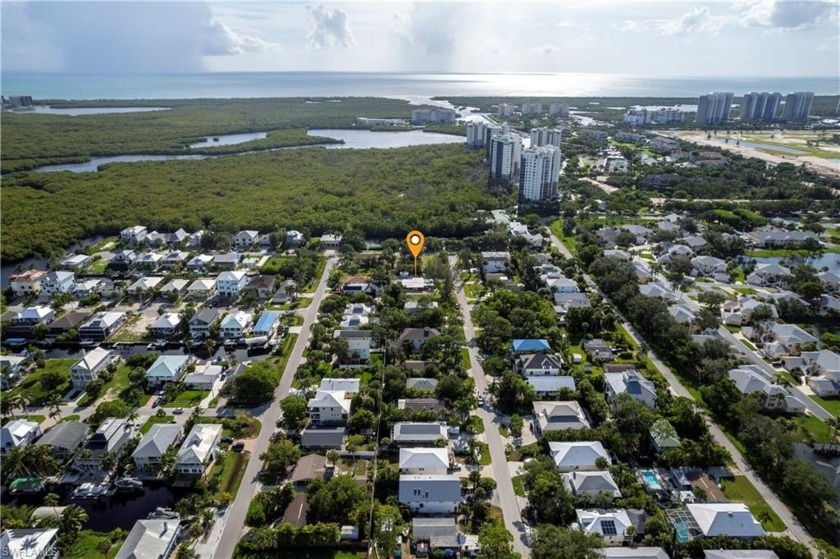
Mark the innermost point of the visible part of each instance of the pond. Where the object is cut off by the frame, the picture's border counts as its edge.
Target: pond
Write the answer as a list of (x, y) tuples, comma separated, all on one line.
[(366, 139), (228, 140), (82, 111), (92, 166)]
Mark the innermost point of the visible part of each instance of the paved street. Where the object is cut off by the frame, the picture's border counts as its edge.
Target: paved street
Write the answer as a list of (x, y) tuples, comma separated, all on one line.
[(501, 472), (268, 416), (796, 529)]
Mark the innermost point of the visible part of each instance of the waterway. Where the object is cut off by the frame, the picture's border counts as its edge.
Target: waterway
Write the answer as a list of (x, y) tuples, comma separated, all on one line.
[(228, 140), (366, 139), (84, 111), (353, 139)]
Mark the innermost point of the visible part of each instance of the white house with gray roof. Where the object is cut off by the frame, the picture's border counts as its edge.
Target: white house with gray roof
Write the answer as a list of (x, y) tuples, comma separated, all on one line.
[(725, 519), (154, 444), (90, 365), (577, 456), (769, 275), (58, 282), (151, 538), (64, 439), (198, 449), (558, 416), (781, 339), (166, 369), (634, 553), (591, 484), (29, 543), (751, 380), (632, 383), (538, 364), (430, 494), (611, 524), (433, 461), (418, 433), (17, 434)]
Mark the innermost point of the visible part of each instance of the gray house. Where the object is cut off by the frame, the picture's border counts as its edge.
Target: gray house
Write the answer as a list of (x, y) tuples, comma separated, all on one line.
[(65, 438)]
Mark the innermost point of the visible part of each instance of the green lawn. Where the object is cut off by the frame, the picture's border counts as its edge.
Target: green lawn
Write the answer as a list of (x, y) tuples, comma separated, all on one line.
[(288, 344), (97, 267), (73, 417), (230, 471), (732, 328), (814, 428), (748, 344), (465, 358), (518, 486), (831, 405), (322, 263), (118, 383), (34, 417), (741, 490), (738, 275), (557, 229), (780, 252), (486, 460), (87, 544), (31, 388), (473, 290), (155, 420), (745, 290), (477, 424), (187, 399)]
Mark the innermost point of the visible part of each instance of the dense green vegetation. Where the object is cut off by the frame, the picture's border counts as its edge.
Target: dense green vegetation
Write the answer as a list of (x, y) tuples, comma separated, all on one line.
[(380, 192), (29, 137)]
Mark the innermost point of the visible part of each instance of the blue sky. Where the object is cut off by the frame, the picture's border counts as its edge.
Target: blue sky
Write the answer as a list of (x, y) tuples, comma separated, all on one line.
[(751, 38)]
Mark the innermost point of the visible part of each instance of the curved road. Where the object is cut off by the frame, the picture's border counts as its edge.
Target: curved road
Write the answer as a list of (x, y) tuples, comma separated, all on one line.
[(794, 527), (268, 416)]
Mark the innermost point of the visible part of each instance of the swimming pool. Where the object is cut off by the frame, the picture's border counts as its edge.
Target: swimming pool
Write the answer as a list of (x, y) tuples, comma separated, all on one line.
[(681, 530), (651, 479)]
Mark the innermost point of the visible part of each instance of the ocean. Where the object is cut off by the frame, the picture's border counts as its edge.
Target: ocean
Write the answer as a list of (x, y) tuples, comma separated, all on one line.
[(415, 87)]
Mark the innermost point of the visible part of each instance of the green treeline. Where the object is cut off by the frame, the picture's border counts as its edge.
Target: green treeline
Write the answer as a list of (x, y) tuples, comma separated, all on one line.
[(383, 193), (29, 137)]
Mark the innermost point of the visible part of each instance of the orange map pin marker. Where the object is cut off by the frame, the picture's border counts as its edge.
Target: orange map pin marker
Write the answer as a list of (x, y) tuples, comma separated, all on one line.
[(415, 240)]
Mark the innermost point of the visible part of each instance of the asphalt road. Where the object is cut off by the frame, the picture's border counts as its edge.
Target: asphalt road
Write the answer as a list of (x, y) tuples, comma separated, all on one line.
[(268, 416), (795, 528), (501, 472)]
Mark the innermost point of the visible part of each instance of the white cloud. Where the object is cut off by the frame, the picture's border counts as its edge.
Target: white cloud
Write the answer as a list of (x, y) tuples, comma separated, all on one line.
[(331, 29), (789, 14), (428, 27), (695, 20), (221, 40)]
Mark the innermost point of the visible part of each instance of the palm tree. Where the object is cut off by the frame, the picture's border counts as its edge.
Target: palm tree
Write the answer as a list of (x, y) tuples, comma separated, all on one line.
[(782, 380), (833, 427), (14, 402), (132, 416), (108, 461), (333, 456), (51, 500), (73, 518), (207, 517)]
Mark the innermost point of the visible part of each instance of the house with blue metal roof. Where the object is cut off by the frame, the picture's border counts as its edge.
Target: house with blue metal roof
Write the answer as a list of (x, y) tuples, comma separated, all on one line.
[(530, 345), (167, 368), (267, 323)]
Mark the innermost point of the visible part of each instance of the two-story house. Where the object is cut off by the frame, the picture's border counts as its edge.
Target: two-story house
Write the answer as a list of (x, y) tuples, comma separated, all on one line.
[(537, 364), (231, 284), (358, 343), (27, 283), (236, 325), (167, 369), (632, 383), (17, 434), (202, 288), (246, 239), (58, 282), (495, 262), (431, 461), (109, 438), (133, 235), (32, 316), (90, 365), (198, 449), (202, 321), (167, 325), (101, 326), (151, 448), (430, 494), (750, 380), (329, 407)]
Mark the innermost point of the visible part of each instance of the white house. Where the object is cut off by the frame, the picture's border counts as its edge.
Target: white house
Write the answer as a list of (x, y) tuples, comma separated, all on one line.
[(562, 285), (330, 242), (558, 416), (132, 235), (433, 461), (430, 494), (198, 448), (203, 378), (346, 385), (27, 283), (495, 262), (359, 344), (29, 543), (147, 456), (174, 258), (612, 525), (151, 538), (750, 380), (830, 281), (236, 324), (781, 339), (167, 324), (58, 282), (632, 383), (824, 369), (201, 322), (639, 553), (149, 260), (577, 456), (32, 316), (658, 290), (246, 239), (200, 262), (144, 286), (202, 288), (538, 364), (769, 275), (17, 434), (418, 433), (231, 284), (708, 265), (592, 484), (329, 407), (90, 365), (546, 387), (76, 261), (726, 519), (174, 288), (166, 369)]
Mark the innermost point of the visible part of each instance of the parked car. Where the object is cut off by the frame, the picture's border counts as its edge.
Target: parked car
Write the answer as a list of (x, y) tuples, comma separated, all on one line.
[(226, 440), (238, 447), (178, 411)]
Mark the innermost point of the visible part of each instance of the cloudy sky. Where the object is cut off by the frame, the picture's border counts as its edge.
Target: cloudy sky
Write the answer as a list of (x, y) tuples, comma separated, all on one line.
[(675, 38)]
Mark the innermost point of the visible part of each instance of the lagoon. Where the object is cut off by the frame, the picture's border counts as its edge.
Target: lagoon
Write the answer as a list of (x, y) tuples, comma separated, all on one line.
[(228, 139)]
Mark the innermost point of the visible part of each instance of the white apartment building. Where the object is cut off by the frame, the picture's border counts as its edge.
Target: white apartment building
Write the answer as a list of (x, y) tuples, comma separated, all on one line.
[(505, 110), (798, 105), (760, 106), (539, 173), (714, 108), (505, 151), (546, 137)]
